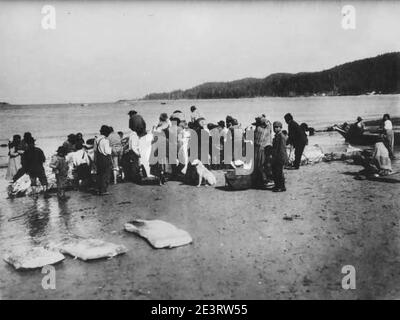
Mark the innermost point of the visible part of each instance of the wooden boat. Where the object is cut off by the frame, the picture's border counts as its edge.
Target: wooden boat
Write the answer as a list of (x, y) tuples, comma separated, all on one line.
[(365, 139), (238, 179)]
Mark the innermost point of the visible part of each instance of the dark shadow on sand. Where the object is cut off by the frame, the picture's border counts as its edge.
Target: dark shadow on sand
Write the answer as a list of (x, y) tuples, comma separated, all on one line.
[(386, 179)]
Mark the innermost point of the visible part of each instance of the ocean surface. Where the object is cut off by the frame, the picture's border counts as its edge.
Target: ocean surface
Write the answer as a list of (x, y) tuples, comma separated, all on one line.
[(50, 124)]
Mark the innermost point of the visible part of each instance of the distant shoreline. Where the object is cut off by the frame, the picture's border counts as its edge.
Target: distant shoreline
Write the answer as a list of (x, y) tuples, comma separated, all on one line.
[(88, 104)]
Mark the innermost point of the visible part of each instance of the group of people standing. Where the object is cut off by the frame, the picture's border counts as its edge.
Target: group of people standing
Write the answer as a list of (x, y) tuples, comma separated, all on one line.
[(111, 156), (270, 153)]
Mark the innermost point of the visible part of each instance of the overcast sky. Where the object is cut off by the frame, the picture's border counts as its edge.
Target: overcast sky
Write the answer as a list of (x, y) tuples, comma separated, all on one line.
[(106, 51)]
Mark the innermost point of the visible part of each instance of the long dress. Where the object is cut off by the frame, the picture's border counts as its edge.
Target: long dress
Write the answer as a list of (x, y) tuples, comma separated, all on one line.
[(381, 155), (14, 163)]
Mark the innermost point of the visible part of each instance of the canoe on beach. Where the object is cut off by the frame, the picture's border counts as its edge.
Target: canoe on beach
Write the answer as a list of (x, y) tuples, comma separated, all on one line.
[(368, 138), (364, 139)]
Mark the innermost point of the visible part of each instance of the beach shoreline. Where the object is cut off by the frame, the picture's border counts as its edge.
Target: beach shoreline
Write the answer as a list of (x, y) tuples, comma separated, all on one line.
[(243, 247)]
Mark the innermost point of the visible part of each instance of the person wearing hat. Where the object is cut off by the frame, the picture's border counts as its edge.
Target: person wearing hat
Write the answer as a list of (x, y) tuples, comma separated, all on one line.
[(228, 121), (32, 163), (279, 157), (137, 123), (60, 168), (194, 114), (297, 138), (23, 146), (257, 122), (262, 152)]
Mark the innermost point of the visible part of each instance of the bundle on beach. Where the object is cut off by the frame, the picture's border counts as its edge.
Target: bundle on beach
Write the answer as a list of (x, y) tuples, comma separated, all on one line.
[(349, 153), (311, 154), (159, 233), (89, 249), (32, 258), (22, 187)]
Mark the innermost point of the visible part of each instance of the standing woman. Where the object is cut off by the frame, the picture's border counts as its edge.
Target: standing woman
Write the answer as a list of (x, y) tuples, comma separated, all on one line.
[(14, 161), (389, 134), (102, 156)]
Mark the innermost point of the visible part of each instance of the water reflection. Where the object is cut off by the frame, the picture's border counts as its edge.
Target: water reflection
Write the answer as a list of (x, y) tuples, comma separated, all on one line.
[(37, 218)]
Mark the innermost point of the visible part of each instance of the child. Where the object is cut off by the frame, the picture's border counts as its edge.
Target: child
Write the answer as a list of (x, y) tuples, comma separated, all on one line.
[(81, 166), (279, 157), (60, 168)]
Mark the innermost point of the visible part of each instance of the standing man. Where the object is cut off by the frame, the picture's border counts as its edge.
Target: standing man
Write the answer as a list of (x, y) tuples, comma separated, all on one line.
[(279, 157), (262, 150), (137, 123), (102, 158), (297, 138)]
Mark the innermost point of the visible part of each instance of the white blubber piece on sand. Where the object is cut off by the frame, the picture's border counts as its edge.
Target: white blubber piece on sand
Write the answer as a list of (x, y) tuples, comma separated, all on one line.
[(32, 258), (20, 187), (90, 249), (159, 233)]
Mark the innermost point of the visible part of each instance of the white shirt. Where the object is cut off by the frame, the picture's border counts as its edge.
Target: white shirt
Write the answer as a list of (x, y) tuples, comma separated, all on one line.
[(102, 145), (388, 125), (78, 157), (134, 143)]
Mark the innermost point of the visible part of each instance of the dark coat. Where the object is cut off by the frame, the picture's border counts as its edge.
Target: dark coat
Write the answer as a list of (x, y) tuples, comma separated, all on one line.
[(279, 153), (32, 160), (297, 136)]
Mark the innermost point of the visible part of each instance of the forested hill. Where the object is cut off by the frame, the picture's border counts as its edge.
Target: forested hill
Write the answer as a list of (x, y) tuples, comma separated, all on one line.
[(380, 74)]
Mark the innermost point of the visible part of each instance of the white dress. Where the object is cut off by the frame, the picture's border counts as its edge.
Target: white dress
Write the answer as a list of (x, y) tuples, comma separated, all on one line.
[(14, 164)]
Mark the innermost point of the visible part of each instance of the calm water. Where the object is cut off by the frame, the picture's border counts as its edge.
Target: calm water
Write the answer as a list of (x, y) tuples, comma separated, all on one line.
[(50, 124)]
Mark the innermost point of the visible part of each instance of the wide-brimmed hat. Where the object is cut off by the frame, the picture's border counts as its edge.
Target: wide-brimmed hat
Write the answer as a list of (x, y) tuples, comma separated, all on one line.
[(257, 122), (132, 112), (277, 124)]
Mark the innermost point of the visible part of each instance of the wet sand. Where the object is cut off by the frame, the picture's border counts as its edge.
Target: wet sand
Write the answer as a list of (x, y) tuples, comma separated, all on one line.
[(242, 249)]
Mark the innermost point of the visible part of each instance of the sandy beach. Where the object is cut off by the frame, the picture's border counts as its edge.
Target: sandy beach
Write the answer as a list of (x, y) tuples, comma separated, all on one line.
[(242, 248)]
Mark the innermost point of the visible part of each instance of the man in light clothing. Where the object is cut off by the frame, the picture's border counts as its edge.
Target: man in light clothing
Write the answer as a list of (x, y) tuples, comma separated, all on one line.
[(116, 147)]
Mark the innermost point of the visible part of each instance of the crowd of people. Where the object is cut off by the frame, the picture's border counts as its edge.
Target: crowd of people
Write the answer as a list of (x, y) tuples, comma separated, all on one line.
[(111, 157)]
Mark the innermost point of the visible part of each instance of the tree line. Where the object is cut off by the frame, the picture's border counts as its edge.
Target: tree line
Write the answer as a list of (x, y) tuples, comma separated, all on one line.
[(380, 74)]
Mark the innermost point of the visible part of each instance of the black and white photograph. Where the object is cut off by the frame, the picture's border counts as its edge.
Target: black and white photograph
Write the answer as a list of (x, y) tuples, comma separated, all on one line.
[(223, 151)]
